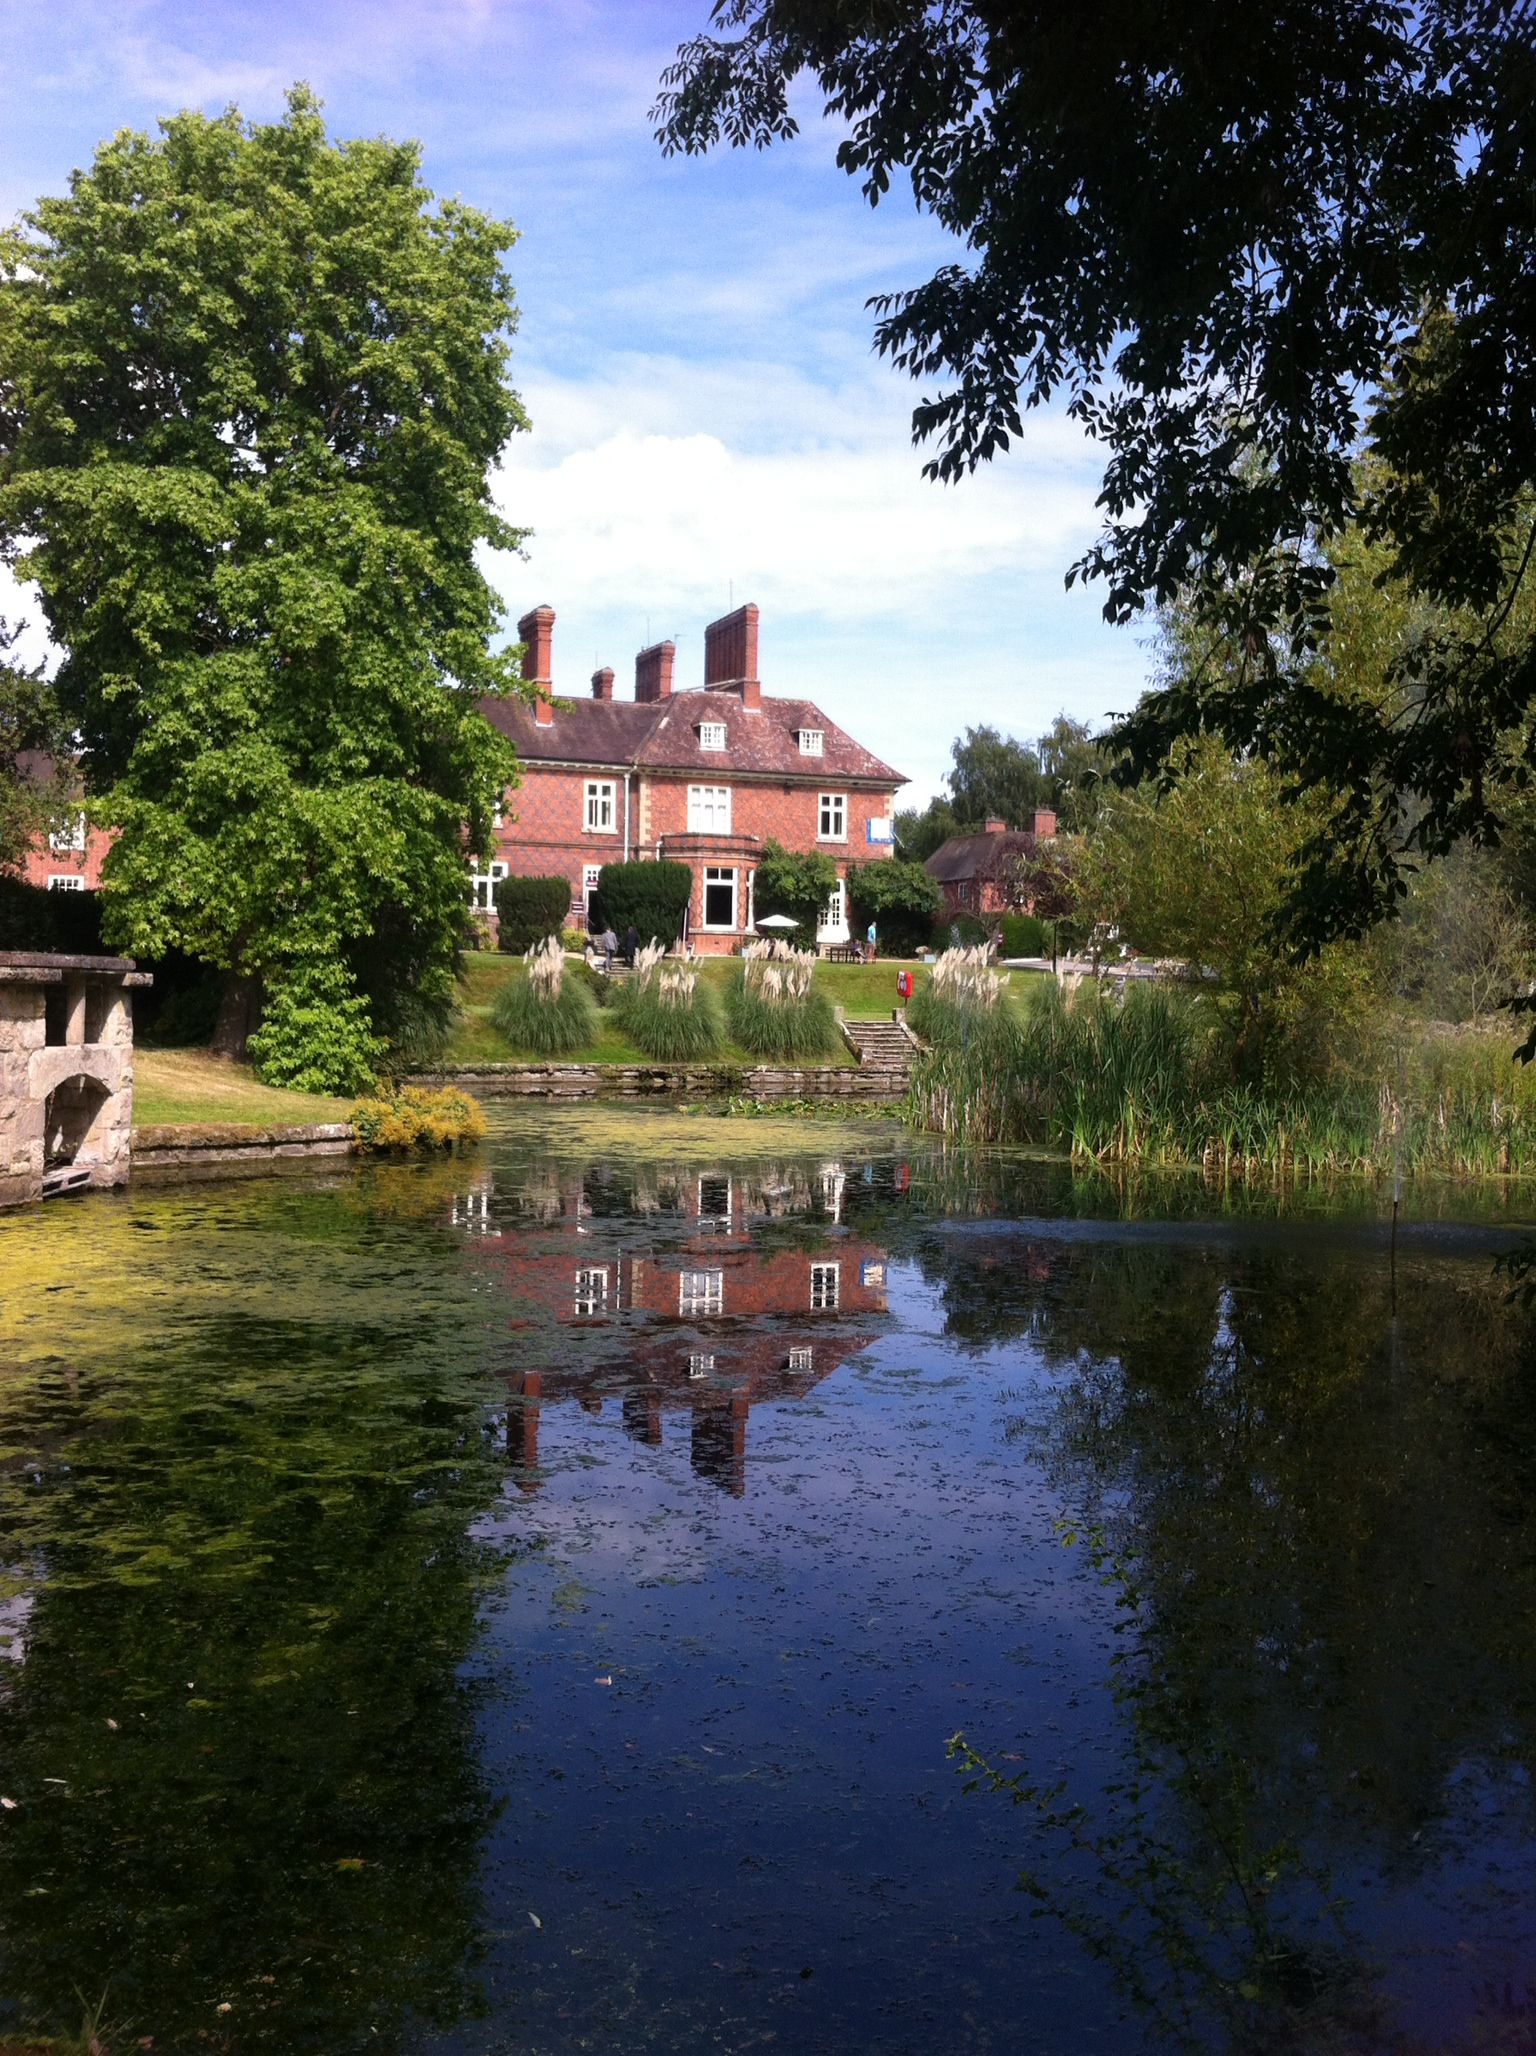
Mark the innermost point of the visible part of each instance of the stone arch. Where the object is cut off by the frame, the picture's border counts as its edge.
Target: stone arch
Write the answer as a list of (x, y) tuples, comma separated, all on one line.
[(73, 1124)]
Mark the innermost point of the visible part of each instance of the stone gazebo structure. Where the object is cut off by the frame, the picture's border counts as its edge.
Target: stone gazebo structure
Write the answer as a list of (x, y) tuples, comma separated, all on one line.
[(66, 1072)]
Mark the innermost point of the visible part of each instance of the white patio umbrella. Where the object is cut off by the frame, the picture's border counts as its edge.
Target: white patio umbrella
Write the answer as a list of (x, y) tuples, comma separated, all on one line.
[(778, 921)]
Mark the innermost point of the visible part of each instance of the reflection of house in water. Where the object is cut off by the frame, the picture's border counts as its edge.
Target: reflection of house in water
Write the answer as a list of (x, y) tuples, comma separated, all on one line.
[(726, 1310)]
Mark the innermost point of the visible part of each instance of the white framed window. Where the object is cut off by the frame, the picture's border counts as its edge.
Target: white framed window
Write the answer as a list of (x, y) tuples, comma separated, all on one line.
[(709, 810), (700, 1294), (482, 887), (68, 839), (715, 1205), (812, 741), (826, 1288), (711, 735), (800, 1359), (700, 1366), (719, 898), (602, 816), (591, 874), (473, 1212), (66, 881), (834, 916), (832, 817), (591, 1294)]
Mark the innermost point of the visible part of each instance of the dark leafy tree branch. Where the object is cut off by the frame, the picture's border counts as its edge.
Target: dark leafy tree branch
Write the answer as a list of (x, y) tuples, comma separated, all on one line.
[(1242, 253)]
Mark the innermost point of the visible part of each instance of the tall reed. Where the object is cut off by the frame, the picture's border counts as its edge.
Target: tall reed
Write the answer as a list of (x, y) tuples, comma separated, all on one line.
[(1140, 1079), (666, 1010), (545, 1013), (775, 1009)]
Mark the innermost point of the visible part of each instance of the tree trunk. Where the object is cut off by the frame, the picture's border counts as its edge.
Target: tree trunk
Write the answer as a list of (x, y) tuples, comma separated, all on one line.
[(239, 1015)]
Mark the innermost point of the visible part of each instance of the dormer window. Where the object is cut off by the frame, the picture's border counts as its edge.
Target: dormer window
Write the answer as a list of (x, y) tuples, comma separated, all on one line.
[(711, 735), (812, 741)]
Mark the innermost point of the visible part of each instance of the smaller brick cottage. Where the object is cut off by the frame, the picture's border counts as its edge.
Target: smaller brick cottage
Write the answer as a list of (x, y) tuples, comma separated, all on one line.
[(976, 872), (702, 777)]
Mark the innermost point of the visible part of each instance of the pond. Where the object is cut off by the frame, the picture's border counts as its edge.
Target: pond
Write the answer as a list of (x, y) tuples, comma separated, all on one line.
[(678, 1583)]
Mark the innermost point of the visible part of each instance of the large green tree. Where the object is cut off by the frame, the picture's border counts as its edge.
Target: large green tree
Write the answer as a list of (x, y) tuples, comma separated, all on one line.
[(252, 385), (1200, 871), (1237, 250)]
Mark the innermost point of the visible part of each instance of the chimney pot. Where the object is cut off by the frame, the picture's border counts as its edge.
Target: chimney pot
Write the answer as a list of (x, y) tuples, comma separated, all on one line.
[(653, 672), (602, 683), (536, 632)]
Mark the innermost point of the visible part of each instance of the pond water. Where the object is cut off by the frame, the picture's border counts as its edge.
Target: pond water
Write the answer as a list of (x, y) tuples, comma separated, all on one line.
[(525, 1604)]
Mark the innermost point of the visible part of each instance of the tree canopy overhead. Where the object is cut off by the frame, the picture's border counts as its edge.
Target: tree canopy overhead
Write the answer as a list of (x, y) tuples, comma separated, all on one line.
[(252, 385), (1241, 249)]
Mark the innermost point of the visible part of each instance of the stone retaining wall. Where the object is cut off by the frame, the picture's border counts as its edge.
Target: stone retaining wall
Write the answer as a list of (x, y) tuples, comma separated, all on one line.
[(682, 1081), (185, 1146)]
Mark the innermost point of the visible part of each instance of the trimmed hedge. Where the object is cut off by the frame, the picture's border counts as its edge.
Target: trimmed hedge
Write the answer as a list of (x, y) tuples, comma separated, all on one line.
[(1024, 935), (528, 909), (650, 897), (32, 917)]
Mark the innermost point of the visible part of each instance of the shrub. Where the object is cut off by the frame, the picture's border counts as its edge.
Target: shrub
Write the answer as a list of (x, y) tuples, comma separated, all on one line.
[(651, 898), (544, 1012), (961, 931), (900, 898), (528, 909), (798, 883), (316, 1032), (775, 1009), (665, 1009), (1024, 935), (416, 1119), (573, 939)]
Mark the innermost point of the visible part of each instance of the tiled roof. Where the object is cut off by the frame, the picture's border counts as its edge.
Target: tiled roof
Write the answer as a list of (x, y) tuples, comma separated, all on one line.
[(978, 856), (663, 736)]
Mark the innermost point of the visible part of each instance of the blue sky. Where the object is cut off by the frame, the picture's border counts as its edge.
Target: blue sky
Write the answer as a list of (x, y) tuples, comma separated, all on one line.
[(709, 420)]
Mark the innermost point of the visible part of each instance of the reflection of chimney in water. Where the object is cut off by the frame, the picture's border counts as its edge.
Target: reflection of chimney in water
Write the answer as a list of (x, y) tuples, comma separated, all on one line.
[(523, 1429), (642, 1417), (719, 1447)]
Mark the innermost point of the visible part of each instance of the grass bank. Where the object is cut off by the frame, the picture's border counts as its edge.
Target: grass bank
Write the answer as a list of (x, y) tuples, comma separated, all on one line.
[(1137, 1080), (179, 1086)]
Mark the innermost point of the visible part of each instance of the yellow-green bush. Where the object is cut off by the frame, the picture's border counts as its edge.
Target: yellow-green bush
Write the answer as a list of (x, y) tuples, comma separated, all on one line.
[(414, 1118)]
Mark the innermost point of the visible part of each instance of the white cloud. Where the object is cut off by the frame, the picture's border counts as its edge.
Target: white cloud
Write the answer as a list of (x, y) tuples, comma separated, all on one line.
[(664, 484)]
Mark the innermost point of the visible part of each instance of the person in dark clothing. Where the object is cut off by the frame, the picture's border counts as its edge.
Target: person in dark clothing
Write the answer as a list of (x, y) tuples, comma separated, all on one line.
[(631, 944)]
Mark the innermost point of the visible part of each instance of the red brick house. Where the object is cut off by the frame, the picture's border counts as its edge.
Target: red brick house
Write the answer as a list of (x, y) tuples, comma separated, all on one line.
[(701, 777), (976, 872), (70, 859)]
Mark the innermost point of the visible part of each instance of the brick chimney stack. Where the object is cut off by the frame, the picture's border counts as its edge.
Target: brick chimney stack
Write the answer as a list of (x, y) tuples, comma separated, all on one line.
[(996, 825), (536, 633), (730, 656), (602, 683), (653, 672), (1045, 824)]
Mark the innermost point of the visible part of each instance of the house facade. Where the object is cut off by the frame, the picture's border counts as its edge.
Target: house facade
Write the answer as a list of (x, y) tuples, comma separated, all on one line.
[(702, 777), (976, 873)]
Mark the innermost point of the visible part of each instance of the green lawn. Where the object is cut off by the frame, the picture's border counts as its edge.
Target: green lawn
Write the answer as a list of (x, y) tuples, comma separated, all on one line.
[(177, 1086), (863, 991)]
